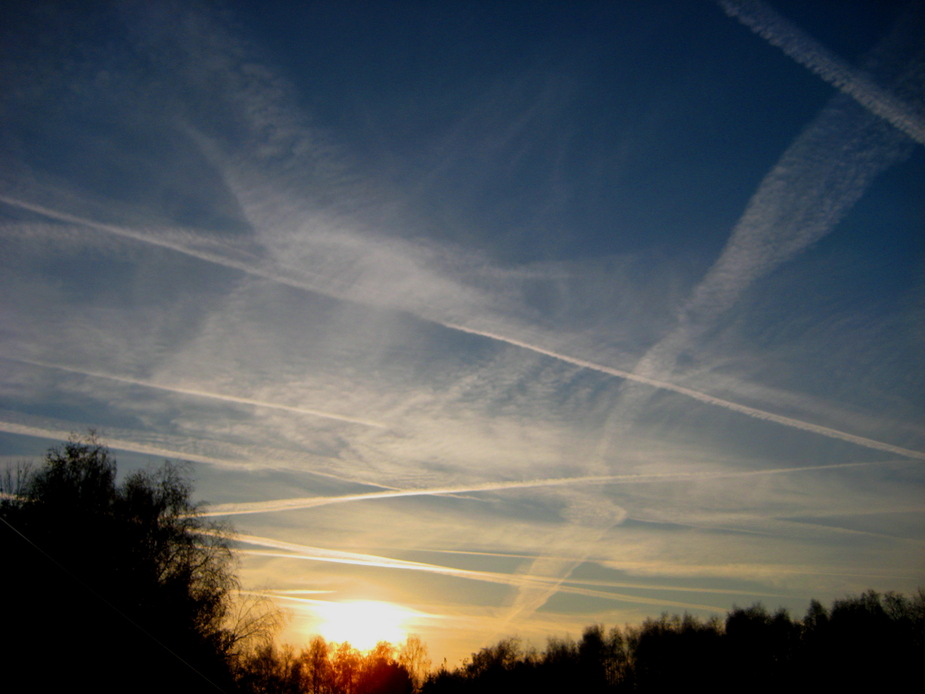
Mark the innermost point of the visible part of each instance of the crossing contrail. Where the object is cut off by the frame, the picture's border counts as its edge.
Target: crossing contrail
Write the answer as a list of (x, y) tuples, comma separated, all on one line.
[(277, 505), (297, 551), (271, 272), (702, 397)]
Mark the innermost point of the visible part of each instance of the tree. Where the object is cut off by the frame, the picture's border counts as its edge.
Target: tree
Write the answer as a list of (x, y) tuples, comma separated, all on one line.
[(381, 673), (122, 586), (412, 655), (317, 673)]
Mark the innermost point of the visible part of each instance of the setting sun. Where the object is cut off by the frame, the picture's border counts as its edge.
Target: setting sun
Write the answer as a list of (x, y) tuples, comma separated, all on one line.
[(362, 622)]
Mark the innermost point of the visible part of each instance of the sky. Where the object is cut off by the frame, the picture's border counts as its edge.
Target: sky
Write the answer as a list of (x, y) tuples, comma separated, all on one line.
[(489, 318)]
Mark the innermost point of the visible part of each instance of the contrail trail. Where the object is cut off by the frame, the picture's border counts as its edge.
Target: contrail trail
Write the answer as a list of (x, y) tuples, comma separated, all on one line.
[(805, 50), (248, 263), (234, 455), (815, 183), (316, 501), (702, 397), (357, 559), (201, 393), (655, 383), (118, 444)]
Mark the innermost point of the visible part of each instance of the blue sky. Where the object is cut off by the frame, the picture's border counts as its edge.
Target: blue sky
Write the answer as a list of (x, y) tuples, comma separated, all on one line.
[(517, 316)]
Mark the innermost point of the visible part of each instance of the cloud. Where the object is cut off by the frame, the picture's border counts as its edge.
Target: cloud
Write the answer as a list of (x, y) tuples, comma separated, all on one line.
[(739, 264), (811, 188), (639, 376)]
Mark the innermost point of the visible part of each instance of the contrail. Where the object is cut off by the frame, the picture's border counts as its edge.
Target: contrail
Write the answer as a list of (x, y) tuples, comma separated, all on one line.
[(316, 501), (811, 188), (235, 455), (375, 561), (702, 397), (201, 394), (135, 235), (248, 263), (118, 444), (342, 557), (655, 383), (814, 184), (805, 50)]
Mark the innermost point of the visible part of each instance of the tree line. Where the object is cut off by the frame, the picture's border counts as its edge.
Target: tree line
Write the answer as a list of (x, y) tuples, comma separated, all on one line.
[(125, 587), (334, 668), (869, 642)]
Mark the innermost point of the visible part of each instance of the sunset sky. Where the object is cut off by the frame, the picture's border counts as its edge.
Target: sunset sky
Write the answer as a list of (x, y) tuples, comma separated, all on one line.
[(505, 317)]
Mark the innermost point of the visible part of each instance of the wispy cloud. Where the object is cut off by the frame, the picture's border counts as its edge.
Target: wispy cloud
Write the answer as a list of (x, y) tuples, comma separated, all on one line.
[(214, 453), (639, 376), (734, 270), (811, 188), (816, 182)]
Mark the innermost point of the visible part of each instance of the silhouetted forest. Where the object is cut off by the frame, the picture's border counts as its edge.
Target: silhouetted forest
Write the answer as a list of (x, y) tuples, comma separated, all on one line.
[(124, 588), (329, 668), (869, 642)]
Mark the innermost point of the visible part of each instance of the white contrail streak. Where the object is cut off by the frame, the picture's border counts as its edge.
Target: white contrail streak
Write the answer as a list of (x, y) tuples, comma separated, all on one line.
[(277, 276), (804, 49), (118, 444), (201, 393), (296, 551), (316, 501), (248, 263), (227, 455), (703, 397), (811, 188)]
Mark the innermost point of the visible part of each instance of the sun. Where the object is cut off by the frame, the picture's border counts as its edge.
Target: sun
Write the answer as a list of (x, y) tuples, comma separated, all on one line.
[(363, 623)]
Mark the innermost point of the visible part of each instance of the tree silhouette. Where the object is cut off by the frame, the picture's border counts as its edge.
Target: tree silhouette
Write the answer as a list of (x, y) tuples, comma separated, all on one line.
[(318, 675), (126, 585), (412, 655), (867, 642), (381, 673), (323, 668)]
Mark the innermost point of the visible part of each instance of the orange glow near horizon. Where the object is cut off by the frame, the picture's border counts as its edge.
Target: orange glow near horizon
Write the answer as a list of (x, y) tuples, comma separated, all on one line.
[(363, 623)]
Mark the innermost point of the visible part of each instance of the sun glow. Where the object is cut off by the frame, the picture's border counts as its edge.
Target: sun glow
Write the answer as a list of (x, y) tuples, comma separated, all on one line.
[(363, 623)]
